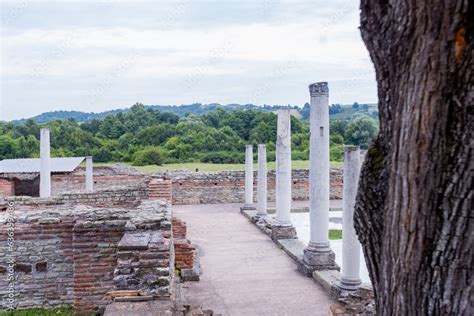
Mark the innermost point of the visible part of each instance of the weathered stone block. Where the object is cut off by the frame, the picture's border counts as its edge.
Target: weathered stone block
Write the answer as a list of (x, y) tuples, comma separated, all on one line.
[(320, 260), (282, 232), (134, 241)]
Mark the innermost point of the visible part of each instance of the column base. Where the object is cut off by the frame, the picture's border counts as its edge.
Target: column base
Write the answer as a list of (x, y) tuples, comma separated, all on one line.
[(282, 232), (318, 260), (259, 218), (346, 284), (248, 207)]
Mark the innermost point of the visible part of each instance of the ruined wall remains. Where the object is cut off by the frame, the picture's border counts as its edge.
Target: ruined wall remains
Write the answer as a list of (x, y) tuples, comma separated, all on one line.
[(130, 196), (66, 254), (105, 178), (184, 250), (229, 186), (7, 187)]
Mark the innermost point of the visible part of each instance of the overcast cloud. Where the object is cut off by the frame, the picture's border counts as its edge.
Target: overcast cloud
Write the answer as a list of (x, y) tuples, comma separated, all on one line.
[(100, 55)]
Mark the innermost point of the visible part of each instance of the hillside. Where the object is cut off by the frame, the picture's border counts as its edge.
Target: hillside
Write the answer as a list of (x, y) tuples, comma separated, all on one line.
[(196, 109)]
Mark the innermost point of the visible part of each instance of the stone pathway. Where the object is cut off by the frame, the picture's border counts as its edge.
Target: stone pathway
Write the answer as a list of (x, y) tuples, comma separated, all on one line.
[(243, 271)]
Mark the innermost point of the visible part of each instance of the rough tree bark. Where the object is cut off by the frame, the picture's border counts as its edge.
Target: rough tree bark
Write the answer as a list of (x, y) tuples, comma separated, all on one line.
[(414, 212)]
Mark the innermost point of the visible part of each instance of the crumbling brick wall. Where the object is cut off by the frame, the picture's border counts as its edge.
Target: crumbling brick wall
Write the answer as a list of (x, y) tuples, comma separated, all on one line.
[(229, 186), (66, 183), (183, 249), (129, 196), (160, 189), (67, 255), (7, 187)]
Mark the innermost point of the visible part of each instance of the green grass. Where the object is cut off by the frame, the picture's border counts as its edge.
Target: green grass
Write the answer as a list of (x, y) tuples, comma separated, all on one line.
[(58, 311), (335, 234), (209, 167), (350, 112)]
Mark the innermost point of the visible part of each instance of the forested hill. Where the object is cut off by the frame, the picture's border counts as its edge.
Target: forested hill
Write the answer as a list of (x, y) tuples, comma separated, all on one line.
[(180, 110), (336, 110), (147, 136)]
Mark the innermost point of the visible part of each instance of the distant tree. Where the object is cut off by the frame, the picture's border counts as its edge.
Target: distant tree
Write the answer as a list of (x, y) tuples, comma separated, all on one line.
[(148, 156), (155, 135), (361, 131), (355, 105), (102, 154), (8, 148), (338, 127)]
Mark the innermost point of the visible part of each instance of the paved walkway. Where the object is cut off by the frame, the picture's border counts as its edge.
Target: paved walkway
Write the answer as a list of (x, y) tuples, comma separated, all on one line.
[(244, 272)]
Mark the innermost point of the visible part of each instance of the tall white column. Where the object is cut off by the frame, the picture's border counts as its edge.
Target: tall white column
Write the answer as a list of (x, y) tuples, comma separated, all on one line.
[(248, 176), (351, 248), (262, 181), (89, 174), (318, 254), (319, 167), (45, 163), (283, 169)]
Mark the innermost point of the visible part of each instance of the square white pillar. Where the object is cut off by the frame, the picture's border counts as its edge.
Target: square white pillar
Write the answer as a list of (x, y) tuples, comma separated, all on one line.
[(262, 181), (89, 174), (45, 163)]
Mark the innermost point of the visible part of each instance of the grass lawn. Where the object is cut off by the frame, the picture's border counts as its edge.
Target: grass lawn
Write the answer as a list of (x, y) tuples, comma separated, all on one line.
[(192, 166), (335, 234)]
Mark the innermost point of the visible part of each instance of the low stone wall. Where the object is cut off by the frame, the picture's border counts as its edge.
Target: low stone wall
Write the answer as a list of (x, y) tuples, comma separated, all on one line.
[(61, 254), (229, 186), (105, 178), (130, 196)]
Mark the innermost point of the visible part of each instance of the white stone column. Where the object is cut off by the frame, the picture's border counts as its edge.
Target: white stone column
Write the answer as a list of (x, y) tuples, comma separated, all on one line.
[(45, 163), (262, 181), (249, 177), (283, 169), (89, 174), (351, 249), (319, 167), (318, 252)]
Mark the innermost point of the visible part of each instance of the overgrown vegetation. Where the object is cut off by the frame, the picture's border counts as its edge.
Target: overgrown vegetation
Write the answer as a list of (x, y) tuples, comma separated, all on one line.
[(144, 136), (57, 311)]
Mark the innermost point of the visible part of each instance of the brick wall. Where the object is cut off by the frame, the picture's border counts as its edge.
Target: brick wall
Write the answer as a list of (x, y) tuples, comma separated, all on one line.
[(76, 182), (183, 249), (160, 189), (129, 196), (229, 186), (67, 255), (7, 187)]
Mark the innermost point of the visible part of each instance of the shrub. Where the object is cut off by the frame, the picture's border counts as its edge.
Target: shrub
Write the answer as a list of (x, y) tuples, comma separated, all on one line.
[(148, 156), (223, 157), (299, 155), (102, 154), (337, 153)]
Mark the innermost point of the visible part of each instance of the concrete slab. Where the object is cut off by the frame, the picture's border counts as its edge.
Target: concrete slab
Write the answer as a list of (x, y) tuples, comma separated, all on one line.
[(243, 271)]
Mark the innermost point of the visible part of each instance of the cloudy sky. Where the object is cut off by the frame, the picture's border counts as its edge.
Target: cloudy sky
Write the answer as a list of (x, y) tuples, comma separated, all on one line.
[(99, 55)]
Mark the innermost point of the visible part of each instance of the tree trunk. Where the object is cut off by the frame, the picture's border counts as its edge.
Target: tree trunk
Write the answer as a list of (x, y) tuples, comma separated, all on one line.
[(414, 212)]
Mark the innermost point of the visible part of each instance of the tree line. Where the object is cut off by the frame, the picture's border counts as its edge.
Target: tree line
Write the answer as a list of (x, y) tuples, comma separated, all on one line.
[(144, 136)]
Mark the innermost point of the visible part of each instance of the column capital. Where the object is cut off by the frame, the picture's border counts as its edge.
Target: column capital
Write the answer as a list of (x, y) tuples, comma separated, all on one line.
[(318, 89), (350, 148)]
